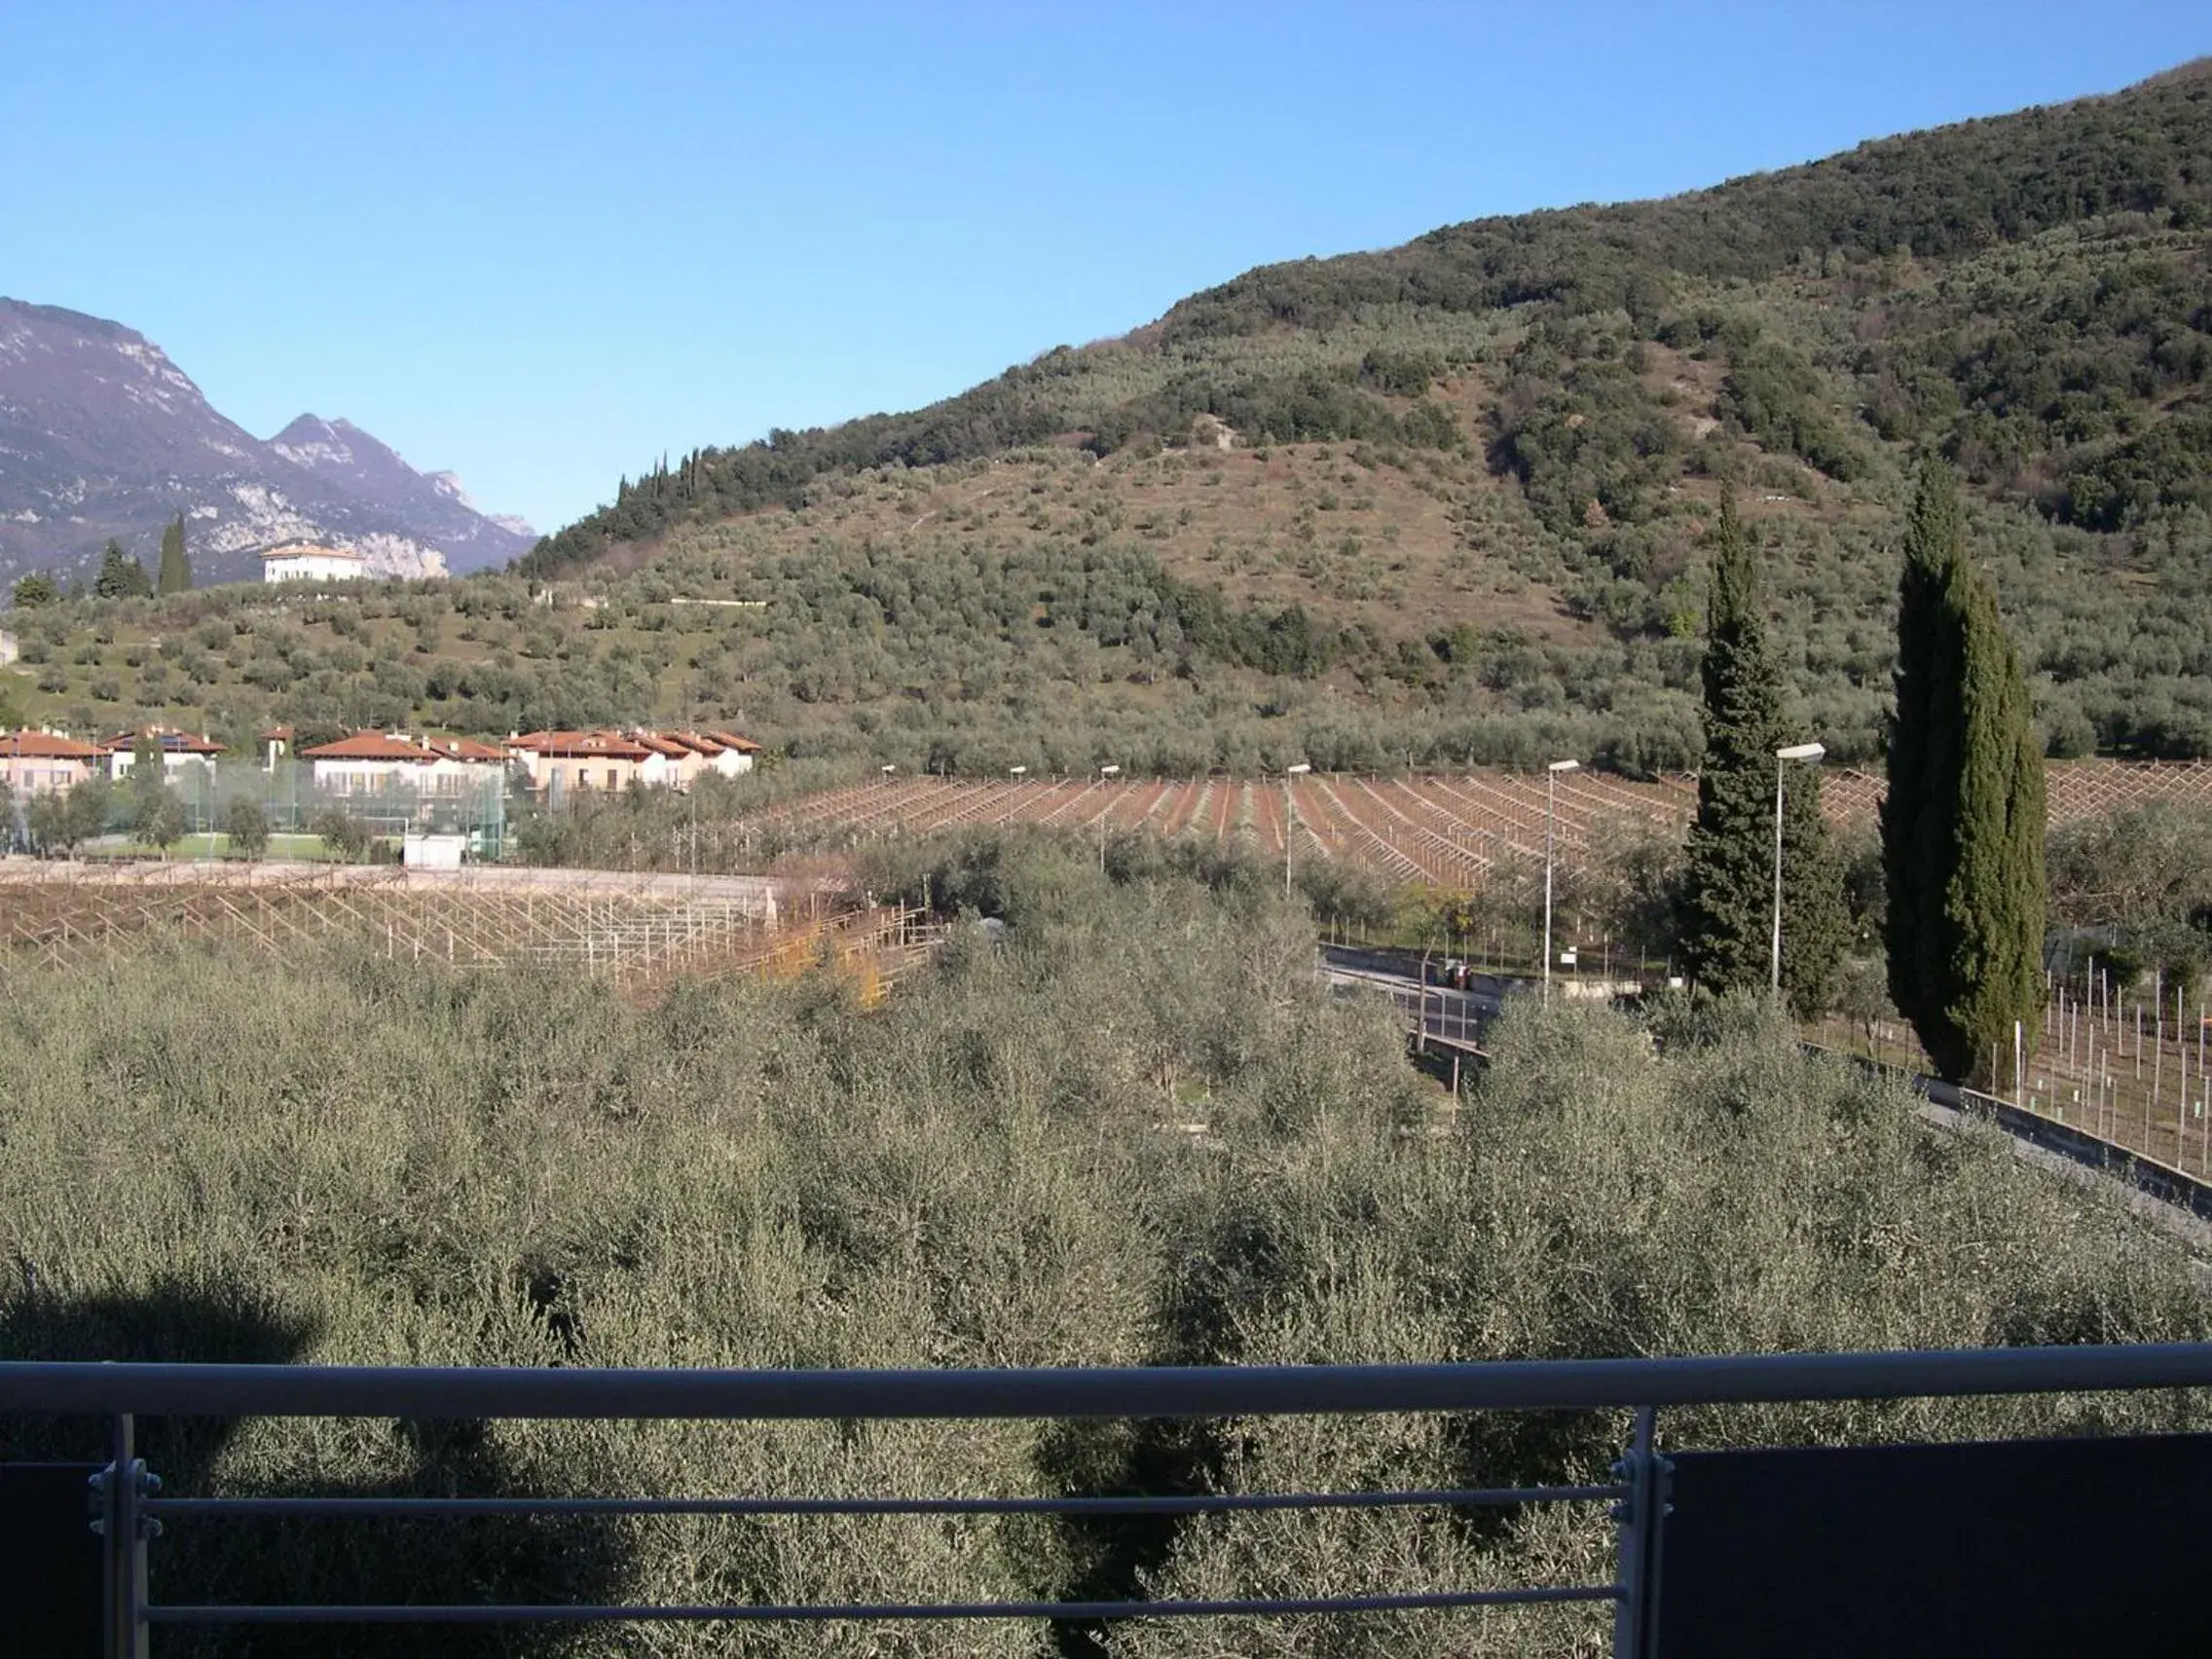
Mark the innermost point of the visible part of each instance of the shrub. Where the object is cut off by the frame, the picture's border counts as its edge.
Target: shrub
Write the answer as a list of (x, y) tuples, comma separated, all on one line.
[(352, 1160)]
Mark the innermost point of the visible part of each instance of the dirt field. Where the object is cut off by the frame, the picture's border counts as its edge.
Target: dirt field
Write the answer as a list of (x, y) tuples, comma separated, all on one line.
[(1448, 830)]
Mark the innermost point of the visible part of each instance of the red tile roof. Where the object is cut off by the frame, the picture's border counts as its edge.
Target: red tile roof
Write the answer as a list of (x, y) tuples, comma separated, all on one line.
[(369, 746), (730, 739), (48, 745), (392, 745), (580, 746), (167, 742), (466, 749)]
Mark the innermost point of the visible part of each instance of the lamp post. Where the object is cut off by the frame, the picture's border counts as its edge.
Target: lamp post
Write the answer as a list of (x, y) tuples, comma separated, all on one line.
[(1104, 812), (1290, 818), (1810, 753), (1551, 814)]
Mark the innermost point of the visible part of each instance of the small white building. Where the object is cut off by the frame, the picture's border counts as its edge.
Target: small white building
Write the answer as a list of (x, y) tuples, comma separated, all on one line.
[(431, 851), (10, 649), (303, 562)]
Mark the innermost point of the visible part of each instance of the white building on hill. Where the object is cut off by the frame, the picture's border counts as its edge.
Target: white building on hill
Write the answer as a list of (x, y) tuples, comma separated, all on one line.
[(301, 561)]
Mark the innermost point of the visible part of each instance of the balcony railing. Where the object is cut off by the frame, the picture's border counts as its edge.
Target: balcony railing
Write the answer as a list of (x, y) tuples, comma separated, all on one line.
[(130, 1507)]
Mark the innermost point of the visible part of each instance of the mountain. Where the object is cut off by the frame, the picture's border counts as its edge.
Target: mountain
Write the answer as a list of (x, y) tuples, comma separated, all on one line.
[(1472, 474), (1444, 504), (1306, 349), (101, 435), (433, 504)]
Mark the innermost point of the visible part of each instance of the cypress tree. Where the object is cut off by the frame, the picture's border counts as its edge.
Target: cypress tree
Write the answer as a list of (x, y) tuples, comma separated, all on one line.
[(1963, 822), (1921, 804), (175, 573), (1728, 907)]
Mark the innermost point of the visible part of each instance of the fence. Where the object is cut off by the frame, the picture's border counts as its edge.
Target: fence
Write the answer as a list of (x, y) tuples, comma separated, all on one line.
[(292, 804), (2132, 1066), (639, 929), (132, 1508)]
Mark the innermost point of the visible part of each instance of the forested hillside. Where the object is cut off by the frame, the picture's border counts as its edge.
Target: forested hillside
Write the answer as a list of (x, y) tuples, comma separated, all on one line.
[(1446, 502), (2106, 329), (2031, 294)]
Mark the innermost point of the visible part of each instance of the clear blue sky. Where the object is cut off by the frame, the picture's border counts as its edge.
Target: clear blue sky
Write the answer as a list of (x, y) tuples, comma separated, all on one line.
[(541, 243)]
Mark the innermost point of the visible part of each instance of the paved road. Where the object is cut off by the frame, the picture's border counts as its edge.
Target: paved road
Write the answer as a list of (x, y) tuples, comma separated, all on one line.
[(1445, 1016)]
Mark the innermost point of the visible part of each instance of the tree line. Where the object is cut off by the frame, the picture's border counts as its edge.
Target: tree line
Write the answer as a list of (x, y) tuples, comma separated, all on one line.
[(1962, 821), (120, 576)]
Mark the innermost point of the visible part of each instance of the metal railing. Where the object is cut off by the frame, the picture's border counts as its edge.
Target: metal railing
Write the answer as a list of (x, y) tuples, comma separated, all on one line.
[(1456, 1019), (130, 1507)]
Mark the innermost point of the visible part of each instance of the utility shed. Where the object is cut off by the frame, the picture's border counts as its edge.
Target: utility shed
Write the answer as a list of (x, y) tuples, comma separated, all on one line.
[(433, 852)]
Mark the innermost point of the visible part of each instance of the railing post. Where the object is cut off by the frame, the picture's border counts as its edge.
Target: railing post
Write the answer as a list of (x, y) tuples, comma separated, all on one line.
[(123, 1530), (1641, 1516)]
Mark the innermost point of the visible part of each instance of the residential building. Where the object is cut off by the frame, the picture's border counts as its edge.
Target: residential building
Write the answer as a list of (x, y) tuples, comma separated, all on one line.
[(670, 763), (275, 745), (382, 762), (10, 649), (467, 753), (731, 754), (303, 562), (177, 749), (37, 762), (559, 761), (688, 755)]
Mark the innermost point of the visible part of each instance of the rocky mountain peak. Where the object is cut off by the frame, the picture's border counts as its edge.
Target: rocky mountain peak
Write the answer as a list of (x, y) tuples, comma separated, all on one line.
[(101, 435)]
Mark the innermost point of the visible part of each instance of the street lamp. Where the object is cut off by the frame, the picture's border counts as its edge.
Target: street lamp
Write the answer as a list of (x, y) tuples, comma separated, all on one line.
[(1105, 812), (1808, 753), (1552, 770), (1290, 818)]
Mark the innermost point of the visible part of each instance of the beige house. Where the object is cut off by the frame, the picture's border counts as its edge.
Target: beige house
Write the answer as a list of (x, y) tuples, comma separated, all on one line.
[(560, 762), (38, 762)]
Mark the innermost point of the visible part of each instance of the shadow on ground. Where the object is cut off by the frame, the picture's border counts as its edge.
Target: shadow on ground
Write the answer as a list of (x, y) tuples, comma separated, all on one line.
[(343, 1560)]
